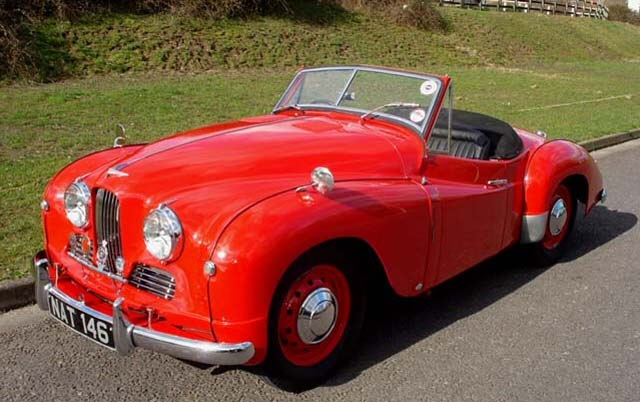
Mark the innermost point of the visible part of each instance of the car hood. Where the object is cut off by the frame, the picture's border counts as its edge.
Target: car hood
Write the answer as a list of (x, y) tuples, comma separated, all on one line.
[(273, 150), (211, 174)]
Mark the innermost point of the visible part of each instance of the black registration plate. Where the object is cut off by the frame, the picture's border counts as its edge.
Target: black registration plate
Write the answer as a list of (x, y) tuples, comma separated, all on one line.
[(92, 327)]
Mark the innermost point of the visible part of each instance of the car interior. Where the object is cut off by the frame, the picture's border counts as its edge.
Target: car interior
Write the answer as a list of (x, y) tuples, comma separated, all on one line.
[(475, 136)]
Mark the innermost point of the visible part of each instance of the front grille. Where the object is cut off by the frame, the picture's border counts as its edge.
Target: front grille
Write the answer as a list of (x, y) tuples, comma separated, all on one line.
[(153, 280), (107, 220)]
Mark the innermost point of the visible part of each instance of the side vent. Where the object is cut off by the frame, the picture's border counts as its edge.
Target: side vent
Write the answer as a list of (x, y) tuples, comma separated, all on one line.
[(153, 280)]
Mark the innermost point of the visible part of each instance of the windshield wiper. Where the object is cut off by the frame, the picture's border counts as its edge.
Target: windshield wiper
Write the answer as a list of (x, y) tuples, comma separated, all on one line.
[(288, 107), (372, 112)]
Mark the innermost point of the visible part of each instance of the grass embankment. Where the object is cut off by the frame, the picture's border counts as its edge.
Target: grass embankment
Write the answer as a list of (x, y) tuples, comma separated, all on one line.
[(131, 43), (44, 127)]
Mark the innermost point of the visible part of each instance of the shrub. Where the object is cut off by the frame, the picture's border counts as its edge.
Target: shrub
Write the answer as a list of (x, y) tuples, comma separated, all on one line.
[(415, 13), (420, 14), (622, 13), (213, 8)]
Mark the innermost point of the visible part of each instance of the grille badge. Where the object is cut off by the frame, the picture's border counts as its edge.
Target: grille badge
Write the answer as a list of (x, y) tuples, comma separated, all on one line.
[(103, 255)]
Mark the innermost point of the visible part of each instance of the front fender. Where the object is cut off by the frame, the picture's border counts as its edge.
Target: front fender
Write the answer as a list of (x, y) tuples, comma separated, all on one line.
[(551, 164), (257, 248)]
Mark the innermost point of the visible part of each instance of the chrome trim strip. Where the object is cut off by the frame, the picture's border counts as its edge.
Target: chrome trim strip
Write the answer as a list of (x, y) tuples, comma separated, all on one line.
[(115, 172), (497, 182), (533, 227), (156, 280), (96, 269), (128, 336), (153, 280)]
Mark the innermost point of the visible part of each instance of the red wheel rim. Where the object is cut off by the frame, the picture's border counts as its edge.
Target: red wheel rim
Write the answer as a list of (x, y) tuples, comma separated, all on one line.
[(553, 240), (319, 279)]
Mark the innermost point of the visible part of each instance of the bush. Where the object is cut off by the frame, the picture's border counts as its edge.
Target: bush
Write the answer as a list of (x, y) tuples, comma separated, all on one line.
[(420, 14), (622, 13), (213, 8), (414, 13)]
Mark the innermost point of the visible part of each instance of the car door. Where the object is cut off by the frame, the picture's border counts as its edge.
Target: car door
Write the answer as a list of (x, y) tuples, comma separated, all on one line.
[(470, 203)]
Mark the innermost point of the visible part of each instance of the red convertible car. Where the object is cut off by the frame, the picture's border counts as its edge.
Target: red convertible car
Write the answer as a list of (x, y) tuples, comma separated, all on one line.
[(256, 241)]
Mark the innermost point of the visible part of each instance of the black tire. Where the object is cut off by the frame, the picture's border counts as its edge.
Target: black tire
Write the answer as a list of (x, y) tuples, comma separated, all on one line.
[(283, 373)]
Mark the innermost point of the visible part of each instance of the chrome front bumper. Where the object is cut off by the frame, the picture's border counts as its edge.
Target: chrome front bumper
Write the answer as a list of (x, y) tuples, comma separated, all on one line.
[(128, 336)]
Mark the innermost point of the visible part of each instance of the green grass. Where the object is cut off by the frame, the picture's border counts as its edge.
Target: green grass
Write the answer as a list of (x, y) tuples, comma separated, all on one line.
[(163, 42), (502, 64), (45, 127)]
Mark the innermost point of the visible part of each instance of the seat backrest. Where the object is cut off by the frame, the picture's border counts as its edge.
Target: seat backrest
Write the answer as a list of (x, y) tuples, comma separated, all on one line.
[(468, 143)]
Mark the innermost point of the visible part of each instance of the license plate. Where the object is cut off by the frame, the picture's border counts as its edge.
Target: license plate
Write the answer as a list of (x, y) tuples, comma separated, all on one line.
[(92, 327)]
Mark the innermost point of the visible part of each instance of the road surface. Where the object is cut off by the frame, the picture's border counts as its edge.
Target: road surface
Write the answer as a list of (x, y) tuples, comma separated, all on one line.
[(501, 332)]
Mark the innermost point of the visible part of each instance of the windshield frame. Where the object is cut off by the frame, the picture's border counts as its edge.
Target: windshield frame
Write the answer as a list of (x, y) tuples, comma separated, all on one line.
[(421, 129)]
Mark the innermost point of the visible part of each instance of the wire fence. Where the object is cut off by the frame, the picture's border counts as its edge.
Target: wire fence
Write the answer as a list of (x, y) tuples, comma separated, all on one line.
[(588, 8)]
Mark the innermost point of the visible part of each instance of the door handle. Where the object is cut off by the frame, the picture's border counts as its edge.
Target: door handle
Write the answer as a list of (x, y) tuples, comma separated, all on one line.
[(497, 182)]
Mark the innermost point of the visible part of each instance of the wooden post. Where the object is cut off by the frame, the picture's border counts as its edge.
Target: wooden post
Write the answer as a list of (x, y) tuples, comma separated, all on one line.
[(542, 7)]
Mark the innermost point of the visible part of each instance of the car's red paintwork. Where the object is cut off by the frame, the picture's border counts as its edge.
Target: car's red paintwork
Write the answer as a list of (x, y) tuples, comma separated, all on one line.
[(234, 187)]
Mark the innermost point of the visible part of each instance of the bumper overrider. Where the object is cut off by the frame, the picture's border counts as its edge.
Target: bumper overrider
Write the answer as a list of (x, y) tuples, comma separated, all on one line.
[(127, 336)]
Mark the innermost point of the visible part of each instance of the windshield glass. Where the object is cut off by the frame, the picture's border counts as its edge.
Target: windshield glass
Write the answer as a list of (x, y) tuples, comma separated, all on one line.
[(406, 98)]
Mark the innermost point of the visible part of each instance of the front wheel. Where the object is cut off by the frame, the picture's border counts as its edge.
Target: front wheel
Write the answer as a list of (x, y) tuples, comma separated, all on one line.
[(316, 317), (562, 212)]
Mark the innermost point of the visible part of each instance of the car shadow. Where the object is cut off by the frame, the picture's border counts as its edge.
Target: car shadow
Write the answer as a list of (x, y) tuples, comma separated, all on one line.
[(399, 323)]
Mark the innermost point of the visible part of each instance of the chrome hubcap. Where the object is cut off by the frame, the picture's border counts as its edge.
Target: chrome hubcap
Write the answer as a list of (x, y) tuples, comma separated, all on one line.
[(558, 217), (317, 316)]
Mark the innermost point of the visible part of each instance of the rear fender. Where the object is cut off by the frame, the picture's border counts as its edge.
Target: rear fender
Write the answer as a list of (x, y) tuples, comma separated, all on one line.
[(551, 164), (257, 248)]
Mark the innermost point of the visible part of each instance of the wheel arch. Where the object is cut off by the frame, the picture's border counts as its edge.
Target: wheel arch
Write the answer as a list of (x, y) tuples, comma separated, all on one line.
[(358, 251), (552, 164), (385, 225), (579, 187)]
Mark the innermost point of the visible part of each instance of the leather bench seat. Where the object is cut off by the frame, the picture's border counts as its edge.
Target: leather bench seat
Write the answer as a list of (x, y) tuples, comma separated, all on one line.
[(467, 143)]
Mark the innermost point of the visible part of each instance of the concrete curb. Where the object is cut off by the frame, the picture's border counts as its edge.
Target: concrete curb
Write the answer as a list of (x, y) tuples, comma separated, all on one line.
[(20, 292), (16, 293), (610, 140)]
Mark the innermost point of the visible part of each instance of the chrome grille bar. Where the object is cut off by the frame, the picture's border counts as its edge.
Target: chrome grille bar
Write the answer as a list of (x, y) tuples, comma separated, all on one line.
[(153, 280), (107, 218)]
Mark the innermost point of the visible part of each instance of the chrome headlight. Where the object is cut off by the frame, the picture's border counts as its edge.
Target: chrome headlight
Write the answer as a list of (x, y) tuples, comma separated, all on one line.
[(76, 203), (162, 232)]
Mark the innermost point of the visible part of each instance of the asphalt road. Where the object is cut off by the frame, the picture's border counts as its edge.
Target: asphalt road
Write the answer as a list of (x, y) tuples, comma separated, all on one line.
[(501, 332)]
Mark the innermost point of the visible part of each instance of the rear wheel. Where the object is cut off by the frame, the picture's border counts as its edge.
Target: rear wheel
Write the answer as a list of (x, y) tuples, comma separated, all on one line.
[(316, 316), (562, 210)]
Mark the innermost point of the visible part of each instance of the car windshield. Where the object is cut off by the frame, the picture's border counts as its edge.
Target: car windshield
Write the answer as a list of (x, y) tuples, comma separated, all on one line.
[(402, 97)]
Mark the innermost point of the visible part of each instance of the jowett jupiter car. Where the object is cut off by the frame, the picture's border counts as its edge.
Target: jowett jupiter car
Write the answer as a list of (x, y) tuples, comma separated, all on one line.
[(255, 241)]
